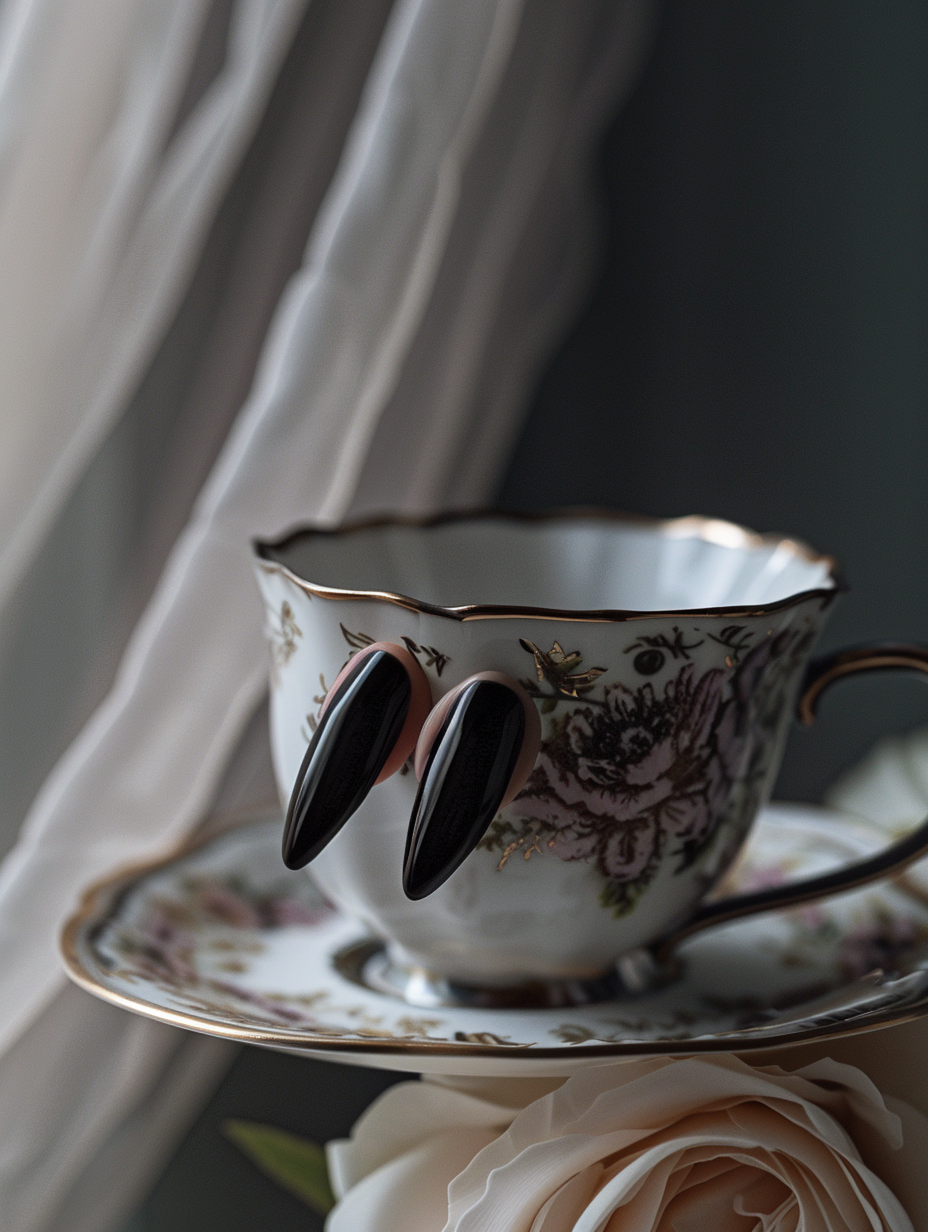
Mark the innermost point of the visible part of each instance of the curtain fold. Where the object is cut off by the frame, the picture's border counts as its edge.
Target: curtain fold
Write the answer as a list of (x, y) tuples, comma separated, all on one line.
[(518, 260), (145, 766), (77, 1150), (104, 203), (84, 1143), (112, 536), (382, 346)]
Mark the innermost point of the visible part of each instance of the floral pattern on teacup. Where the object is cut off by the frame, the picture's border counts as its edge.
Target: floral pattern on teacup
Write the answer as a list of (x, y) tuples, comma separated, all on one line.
[(621, 776), (282, 633)]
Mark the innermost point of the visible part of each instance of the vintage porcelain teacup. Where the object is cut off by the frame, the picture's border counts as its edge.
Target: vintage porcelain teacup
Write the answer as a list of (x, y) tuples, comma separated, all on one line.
[(665, 659)]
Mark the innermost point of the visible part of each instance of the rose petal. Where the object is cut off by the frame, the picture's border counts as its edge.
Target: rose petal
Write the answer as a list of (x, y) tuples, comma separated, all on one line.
[(903, 1169), (640, 1187), (399, 1120), (708, 1196), (410, 1193), (863, 1097), (760, 1200), (656, 1145), (599, 1112), (567, 1204)]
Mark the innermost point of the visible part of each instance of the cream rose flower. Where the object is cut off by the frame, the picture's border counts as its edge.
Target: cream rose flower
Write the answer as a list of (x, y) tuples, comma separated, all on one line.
[(656, 1145)]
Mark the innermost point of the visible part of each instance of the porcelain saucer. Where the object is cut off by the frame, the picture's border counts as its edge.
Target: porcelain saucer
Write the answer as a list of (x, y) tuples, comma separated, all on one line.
[(222, 939)]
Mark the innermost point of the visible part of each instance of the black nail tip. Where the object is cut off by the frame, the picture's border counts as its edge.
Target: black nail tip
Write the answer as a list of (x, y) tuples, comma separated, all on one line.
[(349, 748), (468, 771)]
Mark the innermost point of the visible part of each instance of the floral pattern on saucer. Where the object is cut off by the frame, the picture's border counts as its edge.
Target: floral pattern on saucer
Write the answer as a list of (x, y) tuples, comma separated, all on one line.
[(222, 939)]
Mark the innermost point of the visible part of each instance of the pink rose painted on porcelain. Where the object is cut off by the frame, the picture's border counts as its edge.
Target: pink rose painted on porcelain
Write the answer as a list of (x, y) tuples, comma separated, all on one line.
[(623, 775)]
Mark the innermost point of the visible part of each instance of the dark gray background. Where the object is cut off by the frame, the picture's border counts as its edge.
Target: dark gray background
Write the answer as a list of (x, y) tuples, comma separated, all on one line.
[(755, 349)]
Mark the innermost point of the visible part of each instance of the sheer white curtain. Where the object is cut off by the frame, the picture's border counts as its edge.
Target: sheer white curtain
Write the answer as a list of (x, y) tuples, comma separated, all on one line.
[(445, 257), (108, 183), (890, 786)]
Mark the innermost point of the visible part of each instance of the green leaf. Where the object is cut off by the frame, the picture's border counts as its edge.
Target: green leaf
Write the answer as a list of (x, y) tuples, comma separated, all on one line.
[(297, 1164)]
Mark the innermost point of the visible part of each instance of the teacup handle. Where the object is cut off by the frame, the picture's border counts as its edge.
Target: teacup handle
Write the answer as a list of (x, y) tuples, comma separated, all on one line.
[(820, 675)]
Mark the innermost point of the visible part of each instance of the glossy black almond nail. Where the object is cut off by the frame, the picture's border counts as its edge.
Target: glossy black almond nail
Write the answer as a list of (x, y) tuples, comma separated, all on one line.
[(349, 748), (465, 779)]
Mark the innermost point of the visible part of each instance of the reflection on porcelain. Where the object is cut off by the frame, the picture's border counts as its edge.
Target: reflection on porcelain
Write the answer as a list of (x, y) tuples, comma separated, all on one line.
[(664, 660), (223, 939)]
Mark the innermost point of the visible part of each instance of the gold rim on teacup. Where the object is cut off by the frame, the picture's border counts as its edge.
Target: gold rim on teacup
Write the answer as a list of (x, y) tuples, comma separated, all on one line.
[(716, 531)]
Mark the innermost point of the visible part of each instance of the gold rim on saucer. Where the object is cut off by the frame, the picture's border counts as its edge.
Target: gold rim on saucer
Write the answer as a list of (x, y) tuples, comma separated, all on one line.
[(387, 1028)]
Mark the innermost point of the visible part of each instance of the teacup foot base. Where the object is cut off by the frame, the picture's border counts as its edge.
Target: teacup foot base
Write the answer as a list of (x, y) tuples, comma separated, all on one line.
[(369, 964)]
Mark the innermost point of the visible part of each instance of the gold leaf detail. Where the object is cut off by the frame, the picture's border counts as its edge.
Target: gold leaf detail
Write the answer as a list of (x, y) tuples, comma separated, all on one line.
[(357, 641), (556, 667), (486, 1037)]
